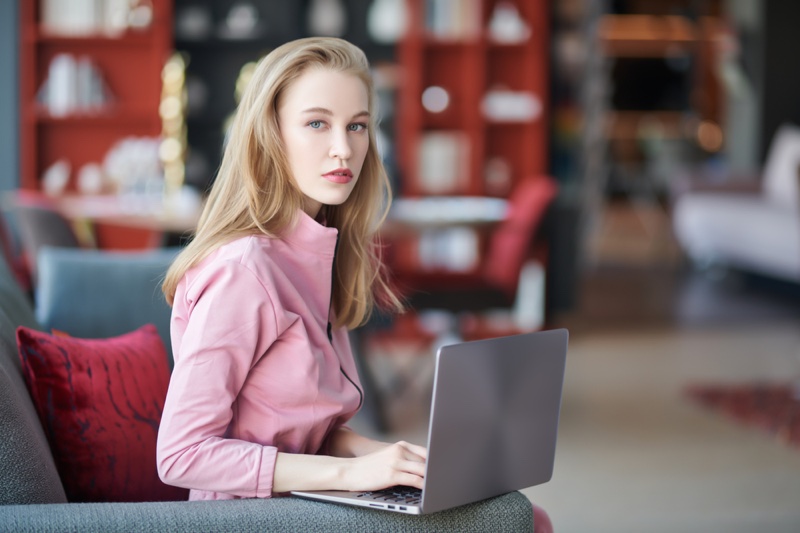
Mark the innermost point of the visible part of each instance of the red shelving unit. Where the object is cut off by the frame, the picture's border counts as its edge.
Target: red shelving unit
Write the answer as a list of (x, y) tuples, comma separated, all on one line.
[(469, 65), (130, 65)]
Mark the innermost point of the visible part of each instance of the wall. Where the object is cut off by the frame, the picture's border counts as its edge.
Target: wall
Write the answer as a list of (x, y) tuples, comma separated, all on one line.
[(9, 89), (780, 99)]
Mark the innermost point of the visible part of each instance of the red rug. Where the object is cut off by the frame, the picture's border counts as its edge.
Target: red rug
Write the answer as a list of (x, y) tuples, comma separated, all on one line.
[(770, 407)]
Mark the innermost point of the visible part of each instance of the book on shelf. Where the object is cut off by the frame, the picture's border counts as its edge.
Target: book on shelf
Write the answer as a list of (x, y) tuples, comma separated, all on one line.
[(453, 19)]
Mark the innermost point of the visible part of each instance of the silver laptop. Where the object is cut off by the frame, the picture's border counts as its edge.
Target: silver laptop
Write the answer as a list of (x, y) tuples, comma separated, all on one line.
[(493, 424)]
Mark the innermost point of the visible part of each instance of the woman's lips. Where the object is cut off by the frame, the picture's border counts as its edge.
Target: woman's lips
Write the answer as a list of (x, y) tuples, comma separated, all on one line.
[(339, 176)]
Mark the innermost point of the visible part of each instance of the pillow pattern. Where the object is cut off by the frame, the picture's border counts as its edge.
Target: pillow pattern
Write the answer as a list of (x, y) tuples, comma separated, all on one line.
[(100, 403)]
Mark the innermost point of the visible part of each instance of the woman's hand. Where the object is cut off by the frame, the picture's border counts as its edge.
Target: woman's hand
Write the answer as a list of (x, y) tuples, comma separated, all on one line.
[(381, 465), (400, 463)]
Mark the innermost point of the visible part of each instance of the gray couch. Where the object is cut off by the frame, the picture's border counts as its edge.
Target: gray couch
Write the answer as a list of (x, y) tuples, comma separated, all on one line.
[(32, 497)]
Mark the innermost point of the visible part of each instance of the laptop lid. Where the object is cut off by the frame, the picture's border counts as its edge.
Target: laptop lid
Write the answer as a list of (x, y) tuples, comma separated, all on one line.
[(494, 417), (493, 422)]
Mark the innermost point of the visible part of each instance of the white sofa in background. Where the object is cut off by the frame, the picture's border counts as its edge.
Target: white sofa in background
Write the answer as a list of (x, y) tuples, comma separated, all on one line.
[(757, 231)]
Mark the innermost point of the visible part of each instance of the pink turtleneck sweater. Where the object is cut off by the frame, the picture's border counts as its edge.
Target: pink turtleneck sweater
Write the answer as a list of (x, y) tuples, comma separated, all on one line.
[(255, 371)]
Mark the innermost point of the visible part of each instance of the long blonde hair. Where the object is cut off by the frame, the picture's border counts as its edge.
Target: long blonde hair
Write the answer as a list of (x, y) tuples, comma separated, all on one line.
[(254, 192)]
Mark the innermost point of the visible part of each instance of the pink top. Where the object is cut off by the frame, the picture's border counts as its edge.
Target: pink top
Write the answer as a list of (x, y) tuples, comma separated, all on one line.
[(255, 371)]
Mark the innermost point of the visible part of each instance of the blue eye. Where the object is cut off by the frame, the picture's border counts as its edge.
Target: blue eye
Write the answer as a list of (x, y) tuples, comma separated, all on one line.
[(357, 127), (316, 124)]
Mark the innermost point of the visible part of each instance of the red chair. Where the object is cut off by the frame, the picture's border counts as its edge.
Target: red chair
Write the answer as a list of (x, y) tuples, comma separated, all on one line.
[(494, 283)]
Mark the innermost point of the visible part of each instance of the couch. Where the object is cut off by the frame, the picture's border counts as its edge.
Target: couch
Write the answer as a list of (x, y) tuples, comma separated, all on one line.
[(748, 224), (32, 494)]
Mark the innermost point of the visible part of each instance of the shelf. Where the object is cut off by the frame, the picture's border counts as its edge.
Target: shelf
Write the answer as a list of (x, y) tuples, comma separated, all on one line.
[(628, 125), (647, 35), (100, 117), (130, 38)]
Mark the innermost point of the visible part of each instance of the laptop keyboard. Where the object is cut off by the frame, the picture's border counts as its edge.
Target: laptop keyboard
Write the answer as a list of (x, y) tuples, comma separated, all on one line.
[(399, 494)]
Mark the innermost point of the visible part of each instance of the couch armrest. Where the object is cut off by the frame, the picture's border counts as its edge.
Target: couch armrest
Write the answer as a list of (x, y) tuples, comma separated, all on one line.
[(509, 512)]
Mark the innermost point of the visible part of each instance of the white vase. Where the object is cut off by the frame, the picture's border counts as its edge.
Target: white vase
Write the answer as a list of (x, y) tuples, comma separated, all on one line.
[(387, 21), (327, 17)]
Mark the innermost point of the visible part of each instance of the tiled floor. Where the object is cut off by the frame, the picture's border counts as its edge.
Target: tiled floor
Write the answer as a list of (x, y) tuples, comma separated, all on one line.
[(633, 453)]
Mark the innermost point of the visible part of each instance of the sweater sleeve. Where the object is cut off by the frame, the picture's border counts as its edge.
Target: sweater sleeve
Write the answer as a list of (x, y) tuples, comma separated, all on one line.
[(229, 323)]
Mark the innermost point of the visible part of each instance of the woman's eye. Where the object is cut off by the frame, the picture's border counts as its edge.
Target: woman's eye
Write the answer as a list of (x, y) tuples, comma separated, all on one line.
[(316, 124), (357, 127)]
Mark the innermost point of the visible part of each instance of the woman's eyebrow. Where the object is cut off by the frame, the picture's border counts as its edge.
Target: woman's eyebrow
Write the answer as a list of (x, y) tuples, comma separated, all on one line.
[(325, 111)]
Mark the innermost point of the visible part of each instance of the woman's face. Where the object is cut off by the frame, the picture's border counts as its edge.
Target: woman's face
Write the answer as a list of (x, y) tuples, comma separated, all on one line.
[(323, 118)]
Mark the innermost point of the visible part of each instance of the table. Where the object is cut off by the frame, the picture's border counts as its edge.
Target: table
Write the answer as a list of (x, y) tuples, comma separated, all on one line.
[(415, 215), (150, 213)]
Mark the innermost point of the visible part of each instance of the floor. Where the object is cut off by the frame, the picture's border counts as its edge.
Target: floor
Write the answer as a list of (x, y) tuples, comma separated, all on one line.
[(633, 453)]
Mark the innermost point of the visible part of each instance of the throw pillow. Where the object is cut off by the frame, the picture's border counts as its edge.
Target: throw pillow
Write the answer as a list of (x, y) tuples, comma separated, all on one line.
[(100, 403)]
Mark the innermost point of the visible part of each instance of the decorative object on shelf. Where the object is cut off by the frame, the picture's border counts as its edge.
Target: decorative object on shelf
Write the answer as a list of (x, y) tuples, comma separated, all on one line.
[(327, 17), (173, 134), (242, 22), (91, 179), (78, 18), (141, 14), (56, 177), (511, 106), (387, 21), (497, 174), (193, 23), (435, 99), (506, 26), (74, 85), (443, 157), (133, 164)]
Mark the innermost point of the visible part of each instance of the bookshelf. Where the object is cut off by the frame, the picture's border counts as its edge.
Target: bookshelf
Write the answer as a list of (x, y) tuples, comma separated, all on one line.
[(127, 63), (472, 117), (90, 76)]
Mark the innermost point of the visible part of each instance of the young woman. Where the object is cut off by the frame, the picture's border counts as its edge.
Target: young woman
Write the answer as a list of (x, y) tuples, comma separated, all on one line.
[(282, 264)]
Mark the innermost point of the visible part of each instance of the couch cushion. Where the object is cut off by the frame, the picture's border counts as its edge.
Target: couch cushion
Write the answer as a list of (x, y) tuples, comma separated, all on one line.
[(27, 471), (744, 231), (75, 286), (100, 403)]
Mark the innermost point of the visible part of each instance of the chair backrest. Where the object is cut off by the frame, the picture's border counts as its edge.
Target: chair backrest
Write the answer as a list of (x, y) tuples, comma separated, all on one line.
[(40, 224), (782, 167), (13, 253), (510, 242)]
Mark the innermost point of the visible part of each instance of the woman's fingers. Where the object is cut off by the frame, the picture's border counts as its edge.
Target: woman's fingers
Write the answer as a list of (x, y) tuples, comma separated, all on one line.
[(419, 451)]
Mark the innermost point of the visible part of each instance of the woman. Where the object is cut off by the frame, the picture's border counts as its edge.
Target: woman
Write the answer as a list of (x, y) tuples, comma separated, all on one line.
[(282, 263)]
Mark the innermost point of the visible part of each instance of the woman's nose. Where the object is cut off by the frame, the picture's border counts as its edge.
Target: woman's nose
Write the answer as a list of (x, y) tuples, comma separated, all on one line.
[(340, 146)]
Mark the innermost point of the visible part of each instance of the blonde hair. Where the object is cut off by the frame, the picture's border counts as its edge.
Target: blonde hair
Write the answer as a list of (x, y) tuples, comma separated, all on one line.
[(254, 192)]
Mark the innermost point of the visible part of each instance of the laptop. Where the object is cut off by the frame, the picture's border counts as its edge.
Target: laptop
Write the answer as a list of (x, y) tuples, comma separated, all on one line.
[(492, 428)]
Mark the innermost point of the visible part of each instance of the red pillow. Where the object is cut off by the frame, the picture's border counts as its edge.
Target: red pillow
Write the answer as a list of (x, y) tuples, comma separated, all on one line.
[(100, 403)]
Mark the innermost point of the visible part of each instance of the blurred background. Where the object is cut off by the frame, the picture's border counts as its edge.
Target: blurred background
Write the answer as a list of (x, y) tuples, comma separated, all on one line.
[(626, 169)]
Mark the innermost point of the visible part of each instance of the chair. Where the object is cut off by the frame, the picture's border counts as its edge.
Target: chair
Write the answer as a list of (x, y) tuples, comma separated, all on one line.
[(444, 297), (40, 224), (13, 255), (494, 283)]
